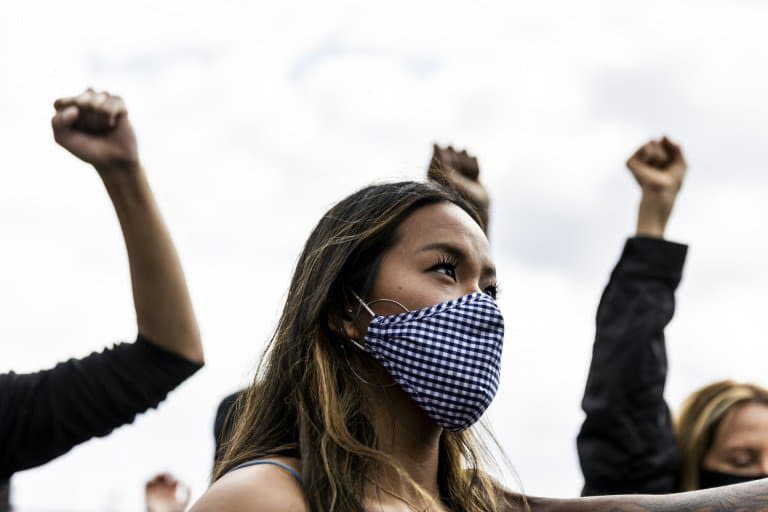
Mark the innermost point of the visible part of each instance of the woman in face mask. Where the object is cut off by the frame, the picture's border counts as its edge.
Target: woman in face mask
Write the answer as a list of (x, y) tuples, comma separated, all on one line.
[(386, 353), (723, 435)]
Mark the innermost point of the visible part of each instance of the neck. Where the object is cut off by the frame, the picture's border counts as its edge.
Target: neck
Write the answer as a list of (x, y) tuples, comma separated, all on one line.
[(411, 437)]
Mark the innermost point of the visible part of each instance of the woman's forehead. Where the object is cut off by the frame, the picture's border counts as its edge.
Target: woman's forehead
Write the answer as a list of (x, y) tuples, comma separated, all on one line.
[(745, 422), (444, 223)]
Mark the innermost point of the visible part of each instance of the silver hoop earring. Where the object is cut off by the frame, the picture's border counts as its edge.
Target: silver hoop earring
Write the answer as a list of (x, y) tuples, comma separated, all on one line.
[(346, 358)]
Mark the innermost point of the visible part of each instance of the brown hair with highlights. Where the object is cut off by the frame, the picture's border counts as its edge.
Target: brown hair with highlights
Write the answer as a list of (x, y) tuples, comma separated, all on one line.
[(306, 403)]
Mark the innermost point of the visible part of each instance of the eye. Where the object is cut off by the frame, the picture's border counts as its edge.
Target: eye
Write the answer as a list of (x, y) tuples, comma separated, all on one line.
[(741, 460), (492, 290), (445, 266)]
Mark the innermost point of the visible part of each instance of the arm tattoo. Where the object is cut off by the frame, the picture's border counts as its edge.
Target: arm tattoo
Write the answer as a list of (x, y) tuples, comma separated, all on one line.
[(749, 497)]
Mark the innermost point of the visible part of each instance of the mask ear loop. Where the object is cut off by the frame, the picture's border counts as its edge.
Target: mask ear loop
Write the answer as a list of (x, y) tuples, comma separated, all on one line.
[(360, 345), (370, 311), (362, 303)]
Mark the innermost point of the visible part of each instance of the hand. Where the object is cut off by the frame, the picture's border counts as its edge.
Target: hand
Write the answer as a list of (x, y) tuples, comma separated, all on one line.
[(459, 171), (166, 494), (659, 168), (95, 128)]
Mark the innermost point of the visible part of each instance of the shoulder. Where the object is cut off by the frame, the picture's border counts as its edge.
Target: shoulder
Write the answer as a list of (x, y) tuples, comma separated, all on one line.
[(262, 488)]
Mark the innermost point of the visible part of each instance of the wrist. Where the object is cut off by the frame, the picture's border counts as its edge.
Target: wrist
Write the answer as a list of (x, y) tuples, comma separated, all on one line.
[(653, 215), (650, 229), (120, 175), (126, 185)]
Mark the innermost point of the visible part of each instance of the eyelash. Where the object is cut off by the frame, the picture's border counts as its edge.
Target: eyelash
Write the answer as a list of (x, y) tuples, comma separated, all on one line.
[(446, 262)]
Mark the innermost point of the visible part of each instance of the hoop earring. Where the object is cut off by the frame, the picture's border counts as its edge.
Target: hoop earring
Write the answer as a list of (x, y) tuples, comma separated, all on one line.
[(346, 358), (352, 369)]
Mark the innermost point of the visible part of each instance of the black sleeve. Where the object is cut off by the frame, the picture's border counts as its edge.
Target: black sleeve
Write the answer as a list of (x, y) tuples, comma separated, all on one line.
[(626, 444), (223, 423), (44, 414)]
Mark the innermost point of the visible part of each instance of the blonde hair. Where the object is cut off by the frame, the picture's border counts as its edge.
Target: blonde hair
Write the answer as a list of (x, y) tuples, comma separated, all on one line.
[(700, 417)]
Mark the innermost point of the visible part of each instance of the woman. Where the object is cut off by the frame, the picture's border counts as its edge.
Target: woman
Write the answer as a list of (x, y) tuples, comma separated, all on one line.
[(722, 433), (387, 351), (629, 442)]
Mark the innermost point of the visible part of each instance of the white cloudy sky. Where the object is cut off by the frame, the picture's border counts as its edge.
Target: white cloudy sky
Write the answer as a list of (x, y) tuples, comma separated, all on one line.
[(254, 117)]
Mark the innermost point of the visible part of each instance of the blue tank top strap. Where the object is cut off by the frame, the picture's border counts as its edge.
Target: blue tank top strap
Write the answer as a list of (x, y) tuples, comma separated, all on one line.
[(259, 462)]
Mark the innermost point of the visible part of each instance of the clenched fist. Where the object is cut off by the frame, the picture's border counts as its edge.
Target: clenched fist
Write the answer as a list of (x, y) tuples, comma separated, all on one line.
[(659, 168), (459, 170), (164, 493), (94, 127)]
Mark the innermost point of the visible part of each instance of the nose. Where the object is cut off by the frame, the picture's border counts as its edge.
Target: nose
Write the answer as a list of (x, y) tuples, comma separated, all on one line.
[(472, 288)]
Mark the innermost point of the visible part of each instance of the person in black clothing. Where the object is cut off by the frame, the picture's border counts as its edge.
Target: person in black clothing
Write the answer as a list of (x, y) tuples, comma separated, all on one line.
[(628, 442), (44, 414)]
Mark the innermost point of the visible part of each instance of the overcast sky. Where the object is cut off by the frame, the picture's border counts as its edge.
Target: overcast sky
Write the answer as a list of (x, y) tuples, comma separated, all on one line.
[(254, 117)]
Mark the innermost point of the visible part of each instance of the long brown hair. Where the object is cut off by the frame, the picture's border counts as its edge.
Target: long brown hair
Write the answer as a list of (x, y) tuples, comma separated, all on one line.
[(701, 415), (306, 403)]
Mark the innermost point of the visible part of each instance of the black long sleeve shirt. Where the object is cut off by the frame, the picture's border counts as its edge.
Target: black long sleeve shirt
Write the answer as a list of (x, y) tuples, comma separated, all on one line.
[(44, 414), (626, 444)]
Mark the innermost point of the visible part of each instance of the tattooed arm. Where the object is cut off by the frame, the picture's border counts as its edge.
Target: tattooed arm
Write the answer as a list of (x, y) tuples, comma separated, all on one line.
[(752, 497)]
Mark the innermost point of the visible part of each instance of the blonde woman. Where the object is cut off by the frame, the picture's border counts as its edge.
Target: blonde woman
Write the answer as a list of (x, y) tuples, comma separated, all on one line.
[(722, 433)]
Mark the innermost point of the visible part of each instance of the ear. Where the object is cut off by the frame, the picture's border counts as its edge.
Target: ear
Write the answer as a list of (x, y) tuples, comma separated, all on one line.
[(342, 322), (350, 327)]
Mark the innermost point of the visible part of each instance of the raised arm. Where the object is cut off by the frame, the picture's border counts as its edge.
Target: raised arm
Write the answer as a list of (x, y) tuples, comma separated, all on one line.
[(460, 171), (95, 128), (45, 414), (626, 444)]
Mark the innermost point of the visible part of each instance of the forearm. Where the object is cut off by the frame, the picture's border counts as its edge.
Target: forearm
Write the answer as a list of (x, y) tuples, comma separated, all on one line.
[(164, 310), (653, 214), (751, 497)]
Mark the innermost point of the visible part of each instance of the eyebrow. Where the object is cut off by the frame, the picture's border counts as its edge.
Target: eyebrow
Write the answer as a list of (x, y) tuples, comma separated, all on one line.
[(459, 254)]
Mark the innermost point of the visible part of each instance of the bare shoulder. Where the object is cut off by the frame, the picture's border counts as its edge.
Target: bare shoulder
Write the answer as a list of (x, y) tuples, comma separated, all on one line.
[(262, 488)]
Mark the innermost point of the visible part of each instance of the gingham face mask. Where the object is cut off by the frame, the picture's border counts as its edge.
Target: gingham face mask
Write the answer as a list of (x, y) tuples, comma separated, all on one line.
[(447, 357)]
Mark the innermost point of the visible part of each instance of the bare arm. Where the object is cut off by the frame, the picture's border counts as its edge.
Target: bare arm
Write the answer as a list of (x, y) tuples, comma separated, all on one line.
[(752, 496), (659, 168), (95, 128), (460, 171)]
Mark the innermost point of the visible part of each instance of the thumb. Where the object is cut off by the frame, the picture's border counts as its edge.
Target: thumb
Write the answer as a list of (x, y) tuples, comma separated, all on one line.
[(642, 172), (65, 117)]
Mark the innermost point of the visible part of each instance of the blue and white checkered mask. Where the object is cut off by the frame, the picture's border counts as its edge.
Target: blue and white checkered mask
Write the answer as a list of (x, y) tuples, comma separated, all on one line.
[(447, 357)]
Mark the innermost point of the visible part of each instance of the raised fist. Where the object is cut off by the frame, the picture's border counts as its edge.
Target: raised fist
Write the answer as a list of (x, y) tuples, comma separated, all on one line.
[(94, 127), (659, 168), (459, 170), (164, 493)]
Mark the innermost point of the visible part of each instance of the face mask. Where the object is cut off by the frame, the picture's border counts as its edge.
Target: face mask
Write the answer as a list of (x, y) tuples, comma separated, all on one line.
[(447, 357), (709, 479)]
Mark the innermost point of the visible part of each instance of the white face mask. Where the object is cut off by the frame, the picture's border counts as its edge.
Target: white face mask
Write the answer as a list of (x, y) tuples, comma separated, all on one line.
[(447, 357)]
